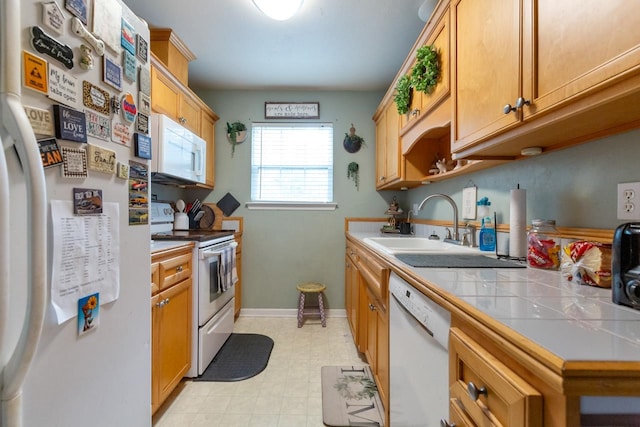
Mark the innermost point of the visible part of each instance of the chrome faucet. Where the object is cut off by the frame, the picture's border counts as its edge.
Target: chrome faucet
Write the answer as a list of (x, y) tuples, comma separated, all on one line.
[(456, 237)]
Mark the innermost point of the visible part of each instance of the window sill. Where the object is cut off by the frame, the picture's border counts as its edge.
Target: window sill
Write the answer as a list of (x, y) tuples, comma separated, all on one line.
[(292, 206)]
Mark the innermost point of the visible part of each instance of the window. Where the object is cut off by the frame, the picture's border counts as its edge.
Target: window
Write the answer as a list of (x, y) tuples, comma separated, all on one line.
[(292, 163)]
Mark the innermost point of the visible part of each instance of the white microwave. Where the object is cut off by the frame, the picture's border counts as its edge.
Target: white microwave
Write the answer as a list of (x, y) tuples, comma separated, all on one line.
[(178, 155)]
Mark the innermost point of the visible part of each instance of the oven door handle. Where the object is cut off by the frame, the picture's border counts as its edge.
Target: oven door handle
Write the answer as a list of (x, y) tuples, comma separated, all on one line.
[(208, 253)]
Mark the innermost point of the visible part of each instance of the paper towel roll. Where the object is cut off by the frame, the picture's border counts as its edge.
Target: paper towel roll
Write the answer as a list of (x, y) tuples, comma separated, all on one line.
[(518, 224)]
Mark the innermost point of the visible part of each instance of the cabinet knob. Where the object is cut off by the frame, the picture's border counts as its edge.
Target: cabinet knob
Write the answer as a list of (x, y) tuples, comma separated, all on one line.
[(162, 303), (508, 108), (415, 112), (445, 423), (381, 178), (521, 102), (372, 307), (179, 269), (474, 391), (182, 120)]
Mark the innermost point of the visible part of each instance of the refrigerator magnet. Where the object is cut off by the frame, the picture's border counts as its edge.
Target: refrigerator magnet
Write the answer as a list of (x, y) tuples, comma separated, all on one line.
[(74, 162), (70, 124), (40, 120), (144, 79), (142, 48), (120, 132), (101, 160), (130, 66), (53, 17), (43, 43), (129, 109), (88, 313), (128, 37), (87, 201), (122, 171), (63, 87), (95, 98), (144, 103), (98, 126), (142, 123), (49, 152), (112, 74), (77, 8), (142, 146), (105, 14), (34, 71)]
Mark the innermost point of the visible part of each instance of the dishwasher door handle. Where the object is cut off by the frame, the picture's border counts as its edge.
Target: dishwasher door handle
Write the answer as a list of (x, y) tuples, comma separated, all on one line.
[(427, 330)]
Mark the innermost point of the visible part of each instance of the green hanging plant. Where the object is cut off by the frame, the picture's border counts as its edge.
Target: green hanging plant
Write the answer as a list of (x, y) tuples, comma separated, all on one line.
[(426, 72), (236, 134), (353, 173), (402, 97)]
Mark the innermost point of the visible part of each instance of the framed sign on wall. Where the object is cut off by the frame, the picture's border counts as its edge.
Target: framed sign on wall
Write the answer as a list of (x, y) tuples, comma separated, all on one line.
[(291, 110)]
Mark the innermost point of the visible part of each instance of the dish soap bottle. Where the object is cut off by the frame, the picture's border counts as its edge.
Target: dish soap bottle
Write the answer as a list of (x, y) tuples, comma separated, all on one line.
[(487, 235)]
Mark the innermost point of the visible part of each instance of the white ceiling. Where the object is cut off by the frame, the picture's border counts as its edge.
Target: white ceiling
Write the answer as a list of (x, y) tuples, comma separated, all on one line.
[(328, 45)]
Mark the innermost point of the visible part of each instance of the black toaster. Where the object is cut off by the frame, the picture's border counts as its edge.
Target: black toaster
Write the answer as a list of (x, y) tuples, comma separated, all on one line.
[(625, 265)]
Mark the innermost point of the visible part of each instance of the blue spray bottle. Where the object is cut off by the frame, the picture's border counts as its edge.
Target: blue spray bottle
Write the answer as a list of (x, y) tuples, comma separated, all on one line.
[(487, 235)]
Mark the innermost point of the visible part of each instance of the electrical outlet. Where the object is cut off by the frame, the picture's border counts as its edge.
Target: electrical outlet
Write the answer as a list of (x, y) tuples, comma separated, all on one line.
[(415, 209), (629, 201)]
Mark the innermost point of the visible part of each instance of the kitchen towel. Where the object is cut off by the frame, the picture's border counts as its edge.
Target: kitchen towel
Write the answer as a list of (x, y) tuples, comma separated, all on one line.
[(227, 273), (518, 223)]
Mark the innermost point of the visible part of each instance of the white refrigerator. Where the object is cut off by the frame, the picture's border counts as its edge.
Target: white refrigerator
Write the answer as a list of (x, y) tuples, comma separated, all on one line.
[(74, 90)]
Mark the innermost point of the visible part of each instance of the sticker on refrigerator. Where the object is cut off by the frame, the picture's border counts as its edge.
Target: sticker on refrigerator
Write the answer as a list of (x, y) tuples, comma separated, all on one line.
[(128, 37), (70, 124), (43, 43), (53, 17), (74, 162), (98, 126), (88, 313), (101, 159), (112, 73), (49, 152), (87, 201), (95, 98), (34, 70), (63, 87), (40, 120), (77, 8)]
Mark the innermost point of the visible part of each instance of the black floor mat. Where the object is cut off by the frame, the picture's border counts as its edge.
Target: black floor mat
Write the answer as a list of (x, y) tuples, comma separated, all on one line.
[(242, 356)]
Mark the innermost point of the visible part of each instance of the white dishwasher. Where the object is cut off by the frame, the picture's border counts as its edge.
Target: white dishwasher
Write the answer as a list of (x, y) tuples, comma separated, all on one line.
[(418, 357)]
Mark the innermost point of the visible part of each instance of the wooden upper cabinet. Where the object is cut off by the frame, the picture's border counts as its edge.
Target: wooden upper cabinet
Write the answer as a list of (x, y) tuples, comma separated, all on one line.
[(387, 146), (486, 69), (207, 132), (570, 70), (165, 97)]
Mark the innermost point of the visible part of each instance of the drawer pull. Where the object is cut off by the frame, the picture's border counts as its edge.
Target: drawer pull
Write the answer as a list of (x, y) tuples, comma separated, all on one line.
[(445, 423), (372, 307), (475, 392), (162, 303), (179, 269)]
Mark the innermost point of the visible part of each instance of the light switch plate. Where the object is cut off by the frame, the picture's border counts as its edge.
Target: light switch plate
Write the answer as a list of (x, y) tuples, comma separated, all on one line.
[(469, 196)]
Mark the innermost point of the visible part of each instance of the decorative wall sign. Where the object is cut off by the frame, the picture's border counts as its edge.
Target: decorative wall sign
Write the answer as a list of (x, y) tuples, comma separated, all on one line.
[(98, 126), (105, 14), (74, 162), (70, 124), (53, 17), (122, 171), (130, 66), (144, 103), (87, 201), (95, 97), (112, 73), (291, 110), (50, 46), (63, 87), (102, 160), (129, 109), (35, 72), (49, 152), (82, 32), (145, 81), (128, 37), (41, 121), (78, 8), (142, 48), (142, 123), (120, 132), (142, 146)]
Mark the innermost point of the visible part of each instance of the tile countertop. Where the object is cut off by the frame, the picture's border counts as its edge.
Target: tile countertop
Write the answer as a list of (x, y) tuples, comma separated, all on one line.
[(162, 245), (574, 322)]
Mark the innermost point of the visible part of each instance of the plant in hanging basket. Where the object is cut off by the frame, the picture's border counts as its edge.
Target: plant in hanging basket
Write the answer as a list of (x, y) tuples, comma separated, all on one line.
[(236, 134), (403, 94), (352, 142), (353, 171), (426, 71)]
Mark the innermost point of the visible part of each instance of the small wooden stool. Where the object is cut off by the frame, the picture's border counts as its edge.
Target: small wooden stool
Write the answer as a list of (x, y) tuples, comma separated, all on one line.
[(308, 288)]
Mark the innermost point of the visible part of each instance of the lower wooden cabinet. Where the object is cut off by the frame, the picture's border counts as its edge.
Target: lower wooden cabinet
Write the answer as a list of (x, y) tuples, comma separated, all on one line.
[(171, 320), (352, 291), (485, 391)]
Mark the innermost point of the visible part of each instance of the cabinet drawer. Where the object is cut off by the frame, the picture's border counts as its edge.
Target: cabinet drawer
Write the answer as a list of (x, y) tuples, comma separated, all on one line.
[(457, 415), (352, 251), (155, 278), (489, 392), (173, 270), (375, 274)]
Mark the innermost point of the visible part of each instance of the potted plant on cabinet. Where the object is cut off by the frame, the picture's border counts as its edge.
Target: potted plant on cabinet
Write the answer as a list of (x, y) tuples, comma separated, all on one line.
[(236, 134)]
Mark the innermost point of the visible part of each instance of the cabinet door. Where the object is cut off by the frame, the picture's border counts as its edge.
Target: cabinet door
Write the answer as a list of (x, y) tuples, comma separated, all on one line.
[(392, 149), (352, 293), (155, 330), (189, 114), (381, 144), (174, 336), (238, 285), (486, 68), (574, 46), (207, 132), (382, 354), (166, 95), (372, 333)]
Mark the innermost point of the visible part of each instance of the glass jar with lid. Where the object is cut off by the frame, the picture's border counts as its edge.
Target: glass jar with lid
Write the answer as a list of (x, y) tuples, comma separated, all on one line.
[(543, 245)]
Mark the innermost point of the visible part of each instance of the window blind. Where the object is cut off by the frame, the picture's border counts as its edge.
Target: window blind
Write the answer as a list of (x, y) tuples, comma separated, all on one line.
[(292, 162)]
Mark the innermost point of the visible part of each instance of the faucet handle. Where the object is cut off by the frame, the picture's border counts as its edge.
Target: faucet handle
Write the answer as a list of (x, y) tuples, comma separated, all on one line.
[(448, 236)]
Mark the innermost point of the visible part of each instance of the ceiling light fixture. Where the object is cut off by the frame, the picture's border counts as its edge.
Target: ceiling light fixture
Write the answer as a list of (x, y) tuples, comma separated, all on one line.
[(280, 10)]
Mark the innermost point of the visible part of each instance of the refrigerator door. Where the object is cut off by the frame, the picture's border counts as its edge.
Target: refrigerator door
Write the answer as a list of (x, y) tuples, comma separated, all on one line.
[(103, 375)]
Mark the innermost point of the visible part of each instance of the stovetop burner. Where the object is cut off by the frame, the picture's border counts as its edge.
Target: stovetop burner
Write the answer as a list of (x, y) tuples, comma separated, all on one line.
[(193, 235)]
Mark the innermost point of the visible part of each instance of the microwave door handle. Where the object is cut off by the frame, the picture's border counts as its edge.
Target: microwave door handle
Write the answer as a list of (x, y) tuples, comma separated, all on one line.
[(197, 161)]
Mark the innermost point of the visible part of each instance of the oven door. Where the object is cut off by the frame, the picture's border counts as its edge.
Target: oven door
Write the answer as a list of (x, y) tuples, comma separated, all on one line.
[(210, 300)]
